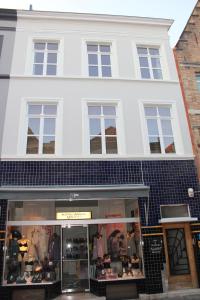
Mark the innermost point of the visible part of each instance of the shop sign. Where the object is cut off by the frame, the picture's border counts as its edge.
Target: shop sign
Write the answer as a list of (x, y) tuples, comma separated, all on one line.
[(156, 246), (74, 215)]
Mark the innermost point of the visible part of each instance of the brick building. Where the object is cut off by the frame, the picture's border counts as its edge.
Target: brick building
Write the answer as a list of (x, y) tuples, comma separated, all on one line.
[(187, 54)]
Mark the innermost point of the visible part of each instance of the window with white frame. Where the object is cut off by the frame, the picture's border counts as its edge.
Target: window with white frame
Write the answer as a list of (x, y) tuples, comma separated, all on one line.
[(99, 60), (103, 128), (45, 58), (150, 62), (41, 129), (159, 128)]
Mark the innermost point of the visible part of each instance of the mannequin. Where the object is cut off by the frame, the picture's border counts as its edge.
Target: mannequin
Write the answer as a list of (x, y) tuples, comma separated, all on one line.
[(131, 245), (54, 247), (98, 246)]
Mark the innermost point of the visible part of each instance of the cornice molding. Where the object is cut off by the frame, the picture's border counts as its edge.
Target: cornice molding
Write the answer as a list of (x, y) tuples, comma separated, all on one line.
[(23, 14)]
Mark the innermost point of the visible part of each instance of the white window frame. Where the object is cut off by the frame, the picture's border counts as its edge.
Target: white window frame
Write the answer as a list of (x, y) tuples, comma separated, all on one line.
[(119, 127), (144, 42), (149, 56), (22, 143), (113, 57), (175, 127), (30, 54), (46, 52), (99, 53)]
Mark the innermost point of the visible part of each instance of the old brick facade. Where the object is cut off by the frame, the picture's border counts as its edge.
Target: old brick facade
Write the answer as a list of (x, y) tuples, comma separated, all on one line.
[(187, 54)]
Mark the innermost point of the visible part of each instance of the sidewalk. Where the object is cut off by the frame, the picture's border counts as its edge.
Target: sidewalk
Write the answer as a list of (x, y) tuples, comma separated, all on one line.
[(189, 294)]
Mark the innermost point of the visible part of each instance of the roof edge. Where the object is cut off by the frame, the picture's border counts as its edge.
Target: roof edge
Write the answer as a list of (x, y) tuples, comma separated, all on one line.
[(36, 14)]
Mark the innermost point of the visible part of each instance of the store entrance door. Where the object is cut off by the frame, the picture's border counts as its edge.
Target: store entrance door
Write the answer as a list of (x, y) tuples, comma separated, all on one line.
[(180, 261), (75, 263)]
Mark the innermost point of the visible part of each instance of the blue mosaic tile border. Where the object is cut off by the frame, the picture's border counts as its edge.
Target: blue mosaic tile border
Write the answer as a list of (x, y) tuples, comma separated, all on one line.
[(168, 179)]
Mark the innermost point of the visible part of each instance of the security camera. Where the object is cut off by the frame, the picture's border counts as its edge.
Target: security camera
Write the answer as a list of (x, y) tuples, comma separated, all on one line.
[(191, 192)]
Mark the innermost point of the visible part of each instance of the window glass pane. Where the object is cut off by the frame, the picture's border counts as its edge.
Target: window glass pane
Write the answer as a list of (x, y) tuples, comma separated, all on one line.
[(157, 74), (95, 127), (33, 126), (92, 48), (39, 57), (38, 69), (105, 60), (95, 145), (110, 127), (52, 58), (106, 71), (39, 46), (169, 145), (166, 127), (145, 73), (93, 71), (48, 145), (155, 62), (34, 109), (150, 111), (51, 69), (198, 81), (144, 62), (50, 109), (164, 111), (105, 48), (32, 145), (52, 46), (154, 51), (141, 50), (152, 127), (111, 145), (49, 125), (93, 59), (94, 110), (154, 143), (109, 110)]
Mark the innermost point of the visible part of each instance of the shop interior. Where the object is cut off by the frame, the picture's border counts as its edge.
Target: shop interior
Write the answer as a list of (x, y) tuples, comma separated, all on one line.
[(43, 250)]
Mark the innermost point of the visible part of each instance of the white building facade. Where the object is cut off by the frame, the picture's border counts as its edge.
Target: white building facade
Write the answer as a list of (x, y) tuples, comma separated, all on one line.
[(95, 113)]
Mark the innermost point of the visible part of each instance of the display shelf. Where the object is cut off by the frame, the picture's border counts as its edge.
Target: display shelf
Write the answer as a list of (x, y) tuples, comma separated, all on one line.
[(76, 259), (29, 284), (118, 279)]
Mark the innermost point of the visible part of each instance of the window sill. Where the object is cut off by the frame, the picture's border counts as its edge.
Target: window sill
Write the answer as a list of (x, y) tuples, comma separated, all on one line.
[(177, 220)]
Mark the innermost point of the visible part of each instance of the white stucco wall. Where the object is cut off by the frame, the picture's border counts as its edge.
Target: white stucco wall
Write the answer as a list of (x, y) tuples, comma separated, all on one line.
[(73, 86)]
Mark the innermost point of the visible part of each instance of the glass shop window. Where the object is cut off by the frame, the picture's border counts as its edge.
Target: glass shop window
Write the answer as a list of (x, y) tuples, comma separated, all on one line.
[(116, 251), (32, 255)]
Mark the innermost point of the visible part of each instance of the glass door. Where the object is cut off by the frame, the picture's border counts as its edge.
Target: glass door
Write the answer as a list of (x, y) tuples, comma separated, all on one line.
[(75, 277)]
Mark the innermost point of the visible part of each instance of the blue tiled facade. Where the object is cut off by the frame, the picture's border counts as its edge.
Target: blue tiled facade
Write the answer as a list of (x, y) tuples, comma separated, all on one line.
[(168, 181)]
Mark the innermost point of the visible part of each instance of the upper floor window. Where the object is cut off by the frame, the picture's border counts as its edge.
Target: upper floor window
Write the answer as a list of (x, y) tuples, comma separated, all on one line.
[(150, 65), (45, 58), (159, 128), (198, 81), (99, 60), (41, 128), (103, 129), (1, 43)]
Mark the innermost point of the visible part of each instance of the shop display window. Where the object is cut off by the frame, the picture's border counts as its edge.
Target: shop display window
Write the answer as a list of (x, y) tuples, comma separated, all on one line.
[(32, 255), (116, 251)]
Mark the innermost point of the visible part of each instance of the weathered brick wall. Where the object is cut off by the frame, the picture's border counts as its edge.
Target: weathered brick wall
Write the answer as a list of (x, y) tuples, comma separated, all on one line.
[(187, 53)]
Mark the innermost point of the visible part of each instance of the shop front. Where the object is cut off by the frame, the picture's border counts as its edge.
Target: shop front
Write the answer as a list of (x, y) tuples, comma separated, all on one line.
[(80, 240)]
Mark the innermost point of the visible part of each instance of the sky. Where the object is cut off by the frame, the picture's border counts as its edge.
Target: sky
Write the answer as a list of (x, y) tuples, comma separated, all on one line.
[(178, 10)]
